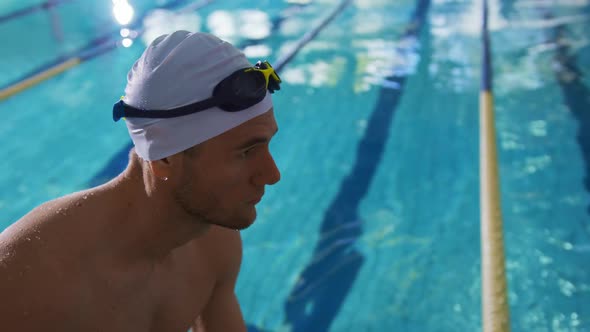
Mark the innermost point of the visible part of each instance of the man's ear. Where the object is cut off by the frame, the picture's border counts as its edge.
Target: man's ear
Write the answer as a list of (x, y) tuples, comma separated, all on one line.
[(166, 168)]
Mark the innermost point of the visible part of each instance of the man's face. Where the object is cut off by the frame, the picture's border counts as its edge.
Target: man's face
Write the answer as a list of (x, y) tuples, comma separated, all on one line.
[(226, 177)]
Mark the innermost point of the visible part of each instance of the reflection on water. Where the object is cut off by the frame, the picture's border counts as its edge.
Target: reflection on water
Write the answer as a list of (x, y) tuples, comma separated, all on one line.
[(379, 60), (163, 21), (257, 51), (523, 57), (455, 27), (242, 24), (562, 3), (232, 26), (541, 23), (319, 73)]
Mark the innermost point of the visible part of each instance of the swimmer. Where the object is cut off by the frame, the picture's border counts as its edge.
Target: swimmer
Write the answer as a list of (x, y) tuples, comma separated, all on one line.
[(157, 248)]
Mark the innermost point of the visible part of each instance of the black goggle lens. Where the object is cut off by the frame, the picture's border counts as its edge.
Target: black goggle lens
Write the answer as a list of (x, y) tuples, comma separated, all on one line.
[(240, 91)]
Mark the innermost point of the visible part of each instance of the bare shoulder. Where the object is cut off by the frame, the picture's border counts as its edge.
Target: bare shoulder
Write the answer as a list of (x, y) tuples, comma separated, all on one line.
[(33, 252), (32, 231), (47, 224), (48, 238), (50, 229)]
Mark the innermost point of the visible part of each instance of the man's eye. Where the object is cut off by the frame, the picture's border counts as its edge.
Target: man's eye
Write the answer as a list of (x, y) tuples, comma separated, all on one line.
[(247, 151)]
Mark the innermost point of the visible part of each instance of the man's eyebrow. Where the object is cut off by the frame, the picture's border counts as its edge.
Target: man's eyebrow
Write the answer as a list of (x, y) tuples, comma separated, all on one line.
[(256, 140)]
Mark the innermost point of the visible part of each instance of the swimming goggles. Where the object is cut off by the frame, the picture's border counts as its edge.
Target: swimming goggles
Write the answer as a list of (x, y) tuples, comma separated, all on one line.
[(242, 89)]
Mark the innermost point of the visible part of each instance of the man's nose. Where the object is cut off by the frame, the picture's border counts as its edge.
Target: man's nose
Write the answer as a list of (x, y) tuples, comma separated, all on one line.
[(268, 173)]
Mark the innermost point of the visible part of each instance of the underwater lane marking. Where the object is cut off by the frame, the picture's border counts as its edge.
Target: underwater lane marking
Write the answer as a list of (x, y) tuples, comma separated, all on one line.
[(336, 260)]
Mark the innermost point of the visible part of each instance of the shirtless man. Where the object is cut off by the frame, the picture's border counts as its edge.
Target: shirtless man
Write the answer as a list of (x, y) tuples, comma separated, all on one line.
[(157, 248)]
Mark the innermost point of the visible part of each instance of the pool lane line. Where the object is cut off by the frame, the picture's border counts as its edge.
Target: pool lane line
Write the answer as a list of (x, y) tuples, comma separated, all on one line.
[(310, 35), (322, 287), (95, 47), (32, 9), (118, 162), (36, 78), (495, 310)]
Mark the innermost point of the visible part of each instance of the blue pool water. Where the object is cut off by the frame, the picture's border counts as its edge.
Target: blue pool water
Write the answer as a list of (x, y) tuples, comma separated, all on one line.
[(375, 223)]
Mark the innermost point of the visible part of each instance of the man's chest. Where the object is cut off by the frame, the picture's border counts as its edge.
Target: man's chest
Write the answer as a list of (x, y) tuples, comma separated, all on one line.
[(168, 300), (182, 297)]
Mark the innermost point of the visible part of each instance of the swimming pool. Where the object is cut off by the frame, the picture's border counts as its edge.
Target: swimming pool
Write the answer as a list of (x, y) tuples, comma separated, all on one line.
[(375, 223)]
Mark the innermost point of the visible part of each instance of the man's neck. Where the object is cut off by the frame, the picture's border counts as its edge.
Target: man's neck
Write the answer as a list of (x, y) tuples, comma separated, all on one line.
[(156, 225)]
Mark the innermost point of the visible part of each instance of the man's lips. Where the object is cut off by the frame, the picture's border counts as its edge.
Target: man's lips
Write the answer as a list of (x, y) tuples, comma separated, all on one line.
[(256, 200)]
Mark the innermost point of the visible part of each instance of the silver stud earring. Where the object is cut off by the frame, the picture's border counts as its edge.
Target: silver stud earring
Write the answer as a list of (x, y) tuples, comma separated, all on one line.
[(165, 178)]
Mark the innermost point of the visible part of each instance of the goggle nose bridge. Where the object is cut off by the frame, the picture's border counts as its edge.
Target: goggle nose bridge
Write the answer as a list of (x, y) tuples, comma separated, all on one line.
[(268, 71)]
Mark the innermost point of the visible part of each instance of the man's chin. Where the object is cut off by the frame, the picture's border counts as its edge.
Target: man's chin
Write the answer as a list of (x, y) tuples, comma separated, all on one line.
[(245, 223), (237, 226), (239, 223)]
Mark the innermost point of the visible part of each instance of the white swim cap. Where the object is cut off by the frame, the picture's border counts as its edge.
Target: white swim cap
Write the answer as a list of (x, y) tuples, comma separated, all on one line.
[(177, 70)]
